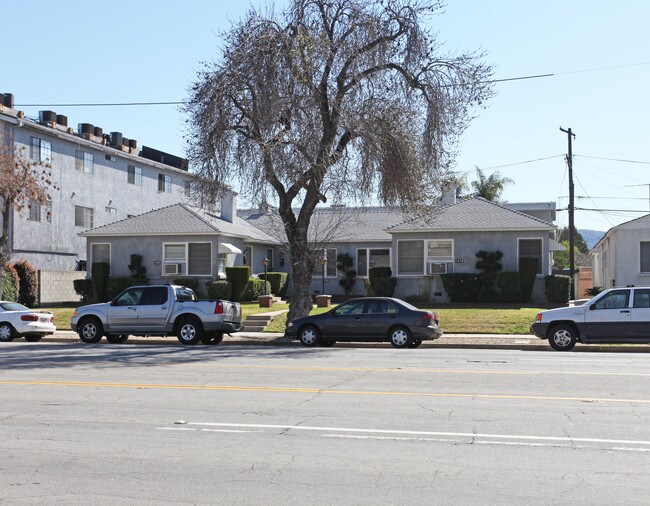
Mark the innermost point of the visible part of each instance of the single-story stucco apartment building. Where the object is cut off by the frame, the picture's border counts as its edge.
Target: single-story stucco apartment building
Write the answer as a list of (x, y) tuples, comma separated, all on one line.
[(183, 240)]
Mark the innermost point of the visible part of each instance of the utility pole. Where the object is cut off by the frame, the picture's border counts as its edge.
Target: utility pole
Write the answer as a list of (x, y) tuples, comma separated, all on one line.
[(571, 207)]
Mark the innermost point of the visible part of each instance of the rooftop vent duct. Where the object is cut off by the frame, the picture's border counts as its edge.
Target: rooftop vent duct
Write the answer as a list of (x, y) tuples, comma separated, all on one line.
[(8, 100), (98, 132), (46, 116), (116, 139), (85, 128), (62, 120)]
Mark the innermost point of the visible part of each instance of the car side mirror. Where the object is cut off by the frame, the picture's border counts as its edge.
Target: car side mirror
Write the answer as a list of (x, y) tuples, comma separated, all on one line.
[(592, 307)]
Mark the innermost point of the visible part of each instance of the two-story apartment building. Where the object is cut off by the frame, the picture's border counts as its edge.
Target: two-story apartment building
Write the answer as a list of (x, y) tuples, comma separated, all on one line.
[(97, 178)]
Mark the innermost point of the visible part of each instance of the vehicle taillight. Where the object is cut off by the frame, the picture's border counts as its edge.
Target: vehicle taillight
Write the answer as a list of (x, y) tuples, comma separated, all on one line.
[(218, 309), (29, 318), (428, 316), (538, 318)]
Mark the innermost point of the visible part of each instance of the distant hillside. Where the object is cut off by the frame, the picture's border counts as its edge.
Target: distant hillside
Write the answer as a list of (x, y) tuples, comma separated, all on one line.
[(591, 237)]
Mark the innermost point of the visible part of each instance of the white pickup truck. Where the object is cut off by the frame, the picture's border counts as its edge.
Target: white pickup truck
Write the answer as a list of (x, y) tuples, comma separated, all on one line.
[(158, 310)]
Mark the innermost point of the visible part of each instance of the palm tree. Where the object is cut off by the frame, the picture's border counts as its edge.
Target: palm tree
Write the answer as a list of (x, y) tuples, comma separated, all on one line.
[(490, 187)]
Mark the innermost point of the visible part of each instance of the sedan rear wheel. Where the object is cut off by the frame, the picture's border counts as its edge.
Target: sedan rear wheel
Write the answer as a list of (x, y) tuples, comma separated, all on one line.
[(90, 330), (400, 337), (309, 336), (562, 337), (6, 332)]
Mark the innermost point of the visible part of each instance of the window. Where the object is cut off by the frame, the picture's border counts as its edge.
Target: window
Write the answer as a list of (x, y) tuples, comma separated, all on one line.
[(193, 259), (380, 307), (83, 217), (645, 256), (48, 210), (110, 158), (372, 257), (134, 176), (85, 161), (328, 268), (248, 255), (440, 256), (34, 211), (410, 258), (614, 300), (154, 296), (350, 308), (100, 253), (40, 150), (531, 248), (164, 183), (187, 184), (642, 298), (110, 210)]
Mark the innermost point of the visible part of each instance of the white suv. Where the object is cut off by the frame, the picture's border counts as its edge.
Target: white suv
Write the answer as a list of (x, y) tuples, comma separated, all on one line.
[(617, 315)]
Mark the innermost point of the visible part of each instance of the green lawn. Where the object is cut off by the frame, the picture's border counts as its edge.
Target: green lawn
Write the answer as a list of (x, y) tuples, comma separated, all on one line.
[(453, 320)]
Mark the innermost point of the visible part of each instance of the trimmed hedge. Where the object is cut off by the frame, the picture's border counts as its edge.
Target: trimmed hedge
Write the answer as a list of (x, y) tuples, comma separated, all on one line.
[(509, 285), (99, 272), (221, 289), (255, 288), (558, 288), (278, 281), (10, 283), (84, 289), (117, 284), (28, 284), (238, 277), (461, 286), (192, 283), (379, 272), (383, 287), (527, 274)]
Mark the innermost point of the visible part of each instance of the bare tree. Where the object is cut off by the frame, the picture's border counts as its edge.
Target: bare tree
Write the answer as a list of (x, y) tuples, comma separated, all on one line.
[(23, 183), (346, 99)]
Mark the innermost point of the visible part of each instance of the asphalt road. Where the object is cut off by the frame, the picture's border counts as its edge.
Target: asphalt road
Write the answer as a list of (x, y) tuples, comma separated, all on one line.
[(142, 424)]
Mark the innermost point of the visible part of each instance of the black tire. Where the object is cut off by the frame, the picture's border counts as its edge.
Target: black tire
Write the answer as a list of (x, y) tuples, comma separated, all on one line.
[(7, 332), (415, 343), (326, 343), (309, 335), (562, 337), (117, 338), (212, 339), (400, 337), (90, 330), (33, 339), (189, 331)]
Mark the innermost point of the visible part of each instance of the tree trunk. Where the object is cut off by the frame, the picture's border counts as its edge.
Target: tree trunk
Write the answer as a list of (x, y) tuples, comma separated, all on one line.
[(301, 301)]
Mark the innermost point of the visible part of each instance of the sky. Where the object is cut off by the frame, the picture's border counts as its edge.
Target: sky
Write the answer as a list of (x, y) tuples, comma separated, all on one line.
[(74, 52)]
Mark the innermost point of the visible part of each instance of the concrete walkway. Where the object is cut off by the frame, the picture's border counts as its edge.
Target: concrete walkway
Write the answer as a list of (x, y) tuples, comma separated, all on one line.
[(480, 341)]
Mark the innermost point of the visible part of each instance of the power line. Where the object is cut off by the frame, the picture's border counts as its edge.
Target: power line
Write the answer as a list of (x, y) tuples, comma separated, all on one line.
[(521, 163), (613, 159)]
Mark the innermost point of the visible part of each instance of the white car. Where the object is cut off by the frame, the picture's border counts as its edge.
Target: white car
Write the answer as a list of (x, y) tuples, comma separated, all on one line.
[(17, 320)]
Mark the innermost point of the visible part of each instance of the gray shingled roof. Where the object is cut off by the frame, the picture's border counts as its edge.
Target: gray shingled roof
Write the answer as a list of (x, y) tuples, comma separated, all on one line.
[(473, 214), (180, 219)]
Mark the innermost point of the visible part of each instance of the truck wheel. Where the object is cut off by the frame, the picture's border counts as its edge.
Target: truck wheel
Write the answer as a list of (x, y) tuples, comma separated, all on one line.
[(189, 331), (212, 339), (562, 337), (90, 330), (117, 338)]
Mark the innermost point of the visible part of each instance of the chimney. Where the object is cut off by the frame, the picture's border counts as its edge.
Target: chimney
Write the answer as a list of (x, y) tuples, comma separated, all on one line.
[(229, 206), (449, 194)]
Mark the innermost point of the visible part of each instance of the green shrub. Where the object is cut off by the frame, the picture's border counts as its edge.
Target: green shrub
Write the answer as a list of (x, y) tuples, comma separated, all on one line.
[(221, 289), (527, 275), (83, 288), (509, 286), (192, 283), (10, 283), (138, 271), (99, 273), (117, 284), (238, 277), (383, 287), (558, 288), (593, 291), (28, 285), (461, 286), (344, 263), (278, 281), (255, 288), (379, 272)]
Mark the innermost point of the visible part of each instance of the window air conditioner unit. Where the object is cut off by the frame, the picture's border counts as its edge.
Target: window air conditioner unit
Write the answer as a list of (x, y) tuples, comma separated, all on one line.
[(437, 268), (172, 268)]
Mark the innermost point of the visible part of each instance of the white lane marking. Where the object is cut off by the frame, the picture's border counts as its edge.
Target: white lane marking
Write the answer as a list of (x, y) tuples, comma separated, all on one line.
[(231, 431), (564, 439), (176, 428)]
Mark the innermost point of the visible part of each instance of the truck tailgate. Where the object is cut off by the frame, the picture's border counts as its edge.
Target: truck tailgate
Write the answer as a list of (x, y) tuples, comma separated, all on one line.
[(231, 312)]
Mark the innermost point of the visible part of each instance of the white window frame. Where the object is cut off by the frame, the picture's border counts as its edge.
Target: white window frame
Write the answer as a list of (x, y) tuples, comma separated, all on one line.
[(40, 150), (368, 250), (443, 264), (183, 264), (540, 272), (329, 266), (92, 251), (35, 212), (166, 181), (248, 257), (85, 161), (424, 258), (87, 212), (135, 172), (641, 271)]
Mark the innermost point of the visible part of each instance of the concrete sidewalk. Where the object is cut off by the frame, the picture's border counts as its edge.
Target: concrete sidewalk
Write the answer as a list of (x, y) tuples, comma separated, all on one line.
[(476, 341)]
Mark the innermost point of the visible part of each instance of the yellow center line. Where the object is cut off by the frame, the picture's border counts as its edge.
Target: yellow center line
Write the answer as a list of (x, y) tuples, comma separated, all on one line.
[(237, 388)]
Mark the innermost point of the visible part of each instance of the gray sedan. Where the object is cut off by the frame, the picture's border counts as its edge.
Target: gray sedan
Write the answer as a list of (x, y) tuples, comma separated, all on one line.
[(368, 319)]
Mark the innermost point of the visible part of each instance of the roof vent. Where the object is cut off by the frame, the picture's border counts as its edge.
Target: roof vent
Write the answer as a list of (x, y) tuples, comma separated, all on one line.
[(8, 100), (85, 128), (62, 120), (98, 132), (46, 117), (116, 139)]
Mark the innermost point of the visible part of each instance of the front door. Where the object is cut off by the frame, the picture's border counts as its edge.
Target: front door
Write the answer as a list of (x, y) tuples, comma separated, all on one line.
[(344, 322), (122, 314), (609, 317)]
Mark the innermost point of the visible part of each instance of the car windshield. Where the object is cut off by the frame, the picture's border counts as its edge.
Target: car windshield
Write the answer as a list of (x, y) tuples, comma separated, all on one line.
[(13, 306)]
